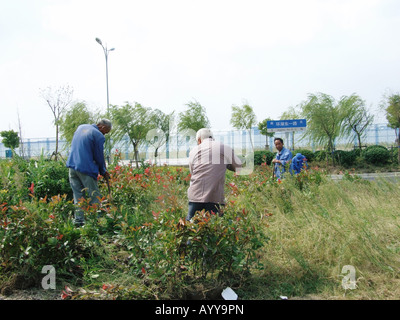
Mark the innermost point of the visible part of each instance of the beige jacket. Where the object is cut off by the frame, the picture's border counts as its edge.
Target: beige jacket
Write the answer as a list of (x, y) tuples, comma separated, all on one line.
[(208, 162)]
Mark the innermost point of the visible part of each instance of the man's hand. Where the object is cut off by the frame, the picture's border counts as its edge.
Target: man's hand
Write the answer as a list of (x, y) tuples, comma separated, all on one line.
[(106, 176)]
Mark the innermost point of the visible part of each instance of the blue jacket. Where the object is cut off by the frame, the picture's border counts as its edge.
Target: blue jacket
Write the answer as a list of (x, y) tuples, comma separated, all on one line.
[(299, 162), (284, 156), (87, 151)]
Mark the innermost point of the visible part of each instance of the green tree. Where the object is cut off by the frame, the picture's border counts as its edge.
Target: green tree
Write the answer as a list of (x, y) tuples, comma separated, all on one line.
[(132, 121), (291, 113), (262, 126), (194, 118), (324, 120), (244, 118), (73, 117), (190, 121), (356, 117), (393, 116), (160, 134), (10, 139)]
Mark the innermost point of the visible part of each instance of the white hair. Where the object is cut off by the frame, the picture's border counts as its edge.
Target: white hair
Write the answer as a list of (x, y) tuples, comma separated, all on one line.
[(204, 133)]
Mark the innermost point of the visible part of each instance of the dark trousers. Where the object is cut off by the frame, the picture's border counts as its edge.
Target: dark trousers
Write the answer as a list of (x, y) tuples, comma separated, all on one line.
[(83, 186), (198, 206)]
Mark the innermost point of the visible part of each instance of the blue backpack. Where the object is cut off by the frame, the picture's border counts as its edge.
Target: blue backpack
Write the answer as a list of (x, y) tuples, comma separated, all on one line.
[(299, 162)]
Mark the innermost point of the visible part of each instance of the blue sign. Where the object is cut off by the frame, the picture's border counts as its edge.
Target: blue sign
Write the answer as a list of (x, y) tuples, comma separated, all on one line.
[(286, 125)]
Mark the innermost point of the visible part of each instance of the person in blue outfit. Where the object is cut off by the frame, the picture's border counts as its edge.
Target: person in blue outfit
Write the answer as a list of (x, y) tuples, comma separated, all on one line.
[(282, 158), (299, 162), (86, 162)]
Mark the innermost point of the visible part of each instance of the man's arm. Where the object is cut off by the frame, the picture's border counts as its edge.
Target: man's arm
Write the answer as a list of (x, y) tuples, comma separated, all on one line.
[(98, 155), (233, 161), (285, 157)]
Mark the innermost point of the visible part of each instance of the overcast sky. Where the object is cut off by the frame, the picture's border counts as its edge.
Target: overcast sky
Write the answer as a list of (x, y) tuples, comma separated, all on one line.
[(220, 53)]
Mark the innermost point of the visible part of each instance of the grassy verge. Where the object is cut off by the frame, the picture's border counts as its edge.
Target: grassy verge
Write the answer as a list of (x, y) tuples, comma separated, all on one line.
[(330, 226), (277, 238)]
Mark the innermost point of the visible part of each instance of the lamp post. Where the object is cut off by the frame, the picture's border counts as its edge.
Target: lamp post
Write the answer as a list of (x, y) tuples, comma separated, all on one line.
[(106, 51)]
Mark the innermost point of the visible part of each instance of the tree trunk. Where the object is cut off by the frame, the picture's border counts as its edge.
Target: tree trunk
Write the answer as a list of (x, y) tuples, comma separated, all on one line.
[(359, 140), (331, 151), (56, 152), (167, 146), (136, 156), (398, 147), (251, 141)]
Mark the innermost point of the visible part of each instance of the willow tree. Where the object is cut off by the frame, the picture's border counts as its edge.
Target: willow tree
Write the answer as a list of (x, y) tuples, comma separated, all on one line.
[(190, 121), (73, 117), (244, 118), (393, 117), (324, 120), (290, 114), (193, 118), (133, 121), (357, 119)]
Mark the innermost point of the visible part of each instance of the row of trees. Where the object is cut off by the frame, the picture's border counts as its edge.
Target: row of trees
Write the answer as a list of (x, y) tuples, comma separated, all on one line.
[(137, 123), (327, 119)]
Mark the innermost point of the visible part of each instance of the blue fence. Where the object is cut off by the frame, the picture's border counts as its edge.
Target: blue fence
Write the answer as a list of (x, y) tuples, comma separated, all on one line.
[(179, 146)]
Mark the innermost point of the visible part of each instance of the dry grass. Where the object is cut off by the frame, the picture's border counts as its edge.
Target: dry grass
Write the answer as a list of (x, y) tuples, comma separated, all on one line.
[(329, 226)]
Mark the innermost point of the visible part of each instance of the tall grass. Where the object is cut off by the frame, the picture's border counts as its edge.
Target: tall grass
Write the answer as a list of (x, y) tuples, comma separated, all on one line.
[(317, 231)]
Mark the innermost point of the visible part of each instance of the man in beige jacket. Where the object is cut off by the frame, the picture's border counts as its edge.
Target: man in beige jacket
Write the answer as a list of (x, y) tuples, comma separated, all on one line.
[(208, 162)]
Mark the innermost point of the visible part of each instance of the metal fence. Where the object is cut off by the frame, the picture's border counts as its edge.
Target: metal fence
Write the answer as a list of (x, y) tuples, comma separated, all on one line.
[(240, 140)]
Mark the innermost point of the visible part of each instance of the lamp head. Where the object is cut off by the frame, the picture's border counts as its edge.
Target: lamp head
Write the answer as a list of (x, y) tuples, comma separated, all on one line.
[(99, 41)]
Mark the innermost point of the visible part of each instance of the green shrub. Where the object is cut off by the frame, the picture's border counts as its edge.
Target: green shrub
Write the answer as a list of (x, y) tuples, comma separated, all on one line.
[(394, 154), (346, 158), (376, 155), (40, 233), (320, 155), (169, 247), (42, 178), (12, 183), (263, 156), (48, 178)]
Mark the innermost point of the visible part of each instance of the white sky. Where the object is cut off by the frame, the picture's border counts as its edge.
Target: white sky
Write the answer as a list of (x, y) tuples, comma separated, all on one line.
[(219, 52)]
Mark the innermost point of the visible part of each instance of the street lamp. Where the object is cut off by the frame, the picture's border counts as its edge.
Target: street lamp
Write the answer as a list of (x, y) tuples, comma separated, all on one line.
[(106, 51)]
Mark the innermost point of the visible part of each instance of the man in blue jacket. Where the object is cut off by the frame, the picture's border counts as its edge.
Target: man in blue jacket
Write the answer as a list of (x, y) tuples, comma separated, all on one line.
[(282, 158), (299, 162), (86, 162)]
